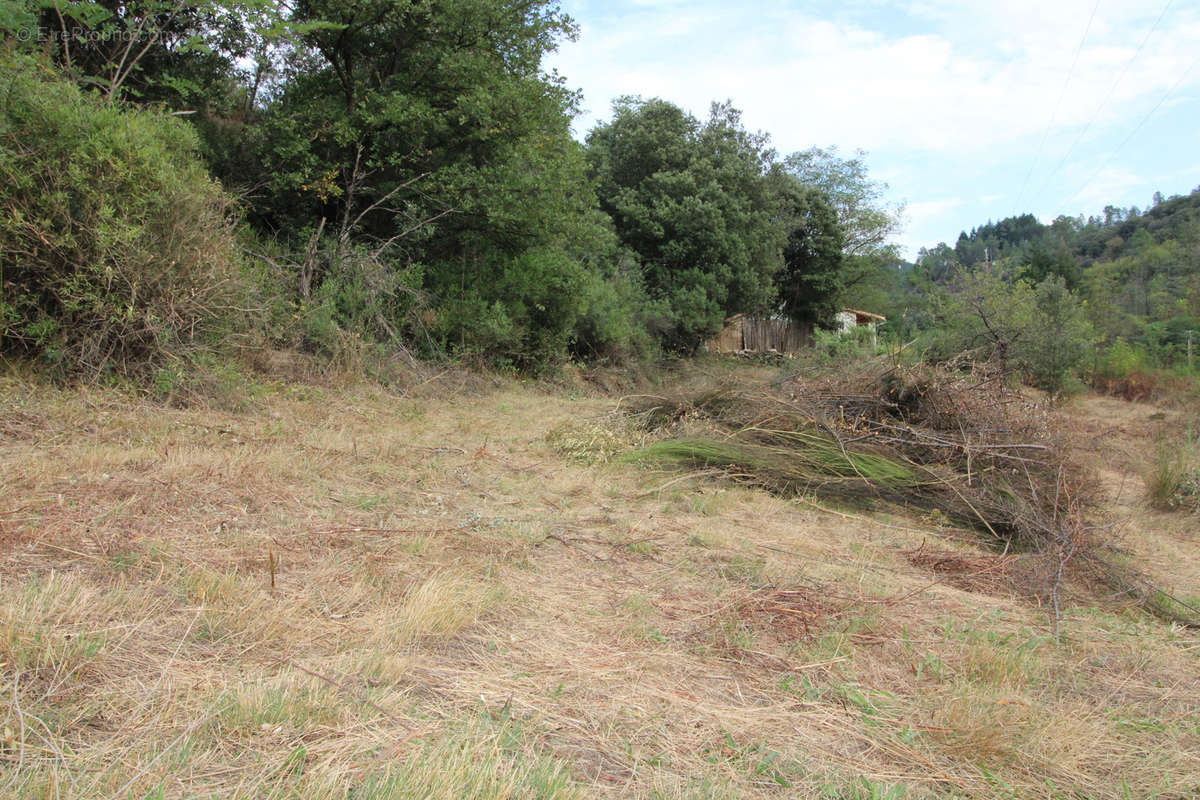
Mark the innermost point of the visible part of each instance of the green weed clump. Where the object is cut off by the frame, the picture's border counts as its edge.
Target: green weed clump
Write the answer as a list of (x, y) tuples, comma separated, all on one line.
[(117, 249), (591, 442), (1173, 480)]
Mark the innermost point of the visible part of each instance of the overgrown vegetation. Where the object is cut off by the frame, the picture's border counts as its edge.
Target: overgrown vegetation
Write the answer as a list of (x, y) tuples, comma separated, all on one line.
[(426, 199), (1127, 296), (1173, 478), (407, 186), (117, 252)]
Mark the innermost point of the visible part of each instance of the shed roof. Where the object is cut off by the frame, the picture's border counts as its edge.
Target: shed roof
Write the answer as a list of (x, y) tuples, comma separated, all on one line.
[(865, 316)]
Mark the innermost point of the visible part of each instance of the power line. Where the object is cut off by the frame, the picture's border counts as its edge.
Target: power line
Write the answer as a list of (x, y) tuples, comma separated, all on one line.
[(1182, 77), (1111, 90), (1046, 133)]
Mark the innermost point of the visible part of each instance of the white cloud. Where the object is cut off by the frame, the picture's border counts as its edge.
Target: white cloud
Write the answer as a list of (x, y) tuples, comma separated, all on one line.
[(925, 209), (982, 74), (923, 220), (1105, 186), (962, 99)]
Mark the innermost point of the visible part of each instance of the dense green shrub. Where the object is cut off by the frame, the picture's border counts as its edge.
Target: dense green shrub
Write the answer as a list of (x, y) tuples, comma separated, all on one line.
[(833, 345), (116, 250), (1120, 360), (613, 325), (691, 200), (987, 312), (523, 317), (1173, 479), (363, 297)]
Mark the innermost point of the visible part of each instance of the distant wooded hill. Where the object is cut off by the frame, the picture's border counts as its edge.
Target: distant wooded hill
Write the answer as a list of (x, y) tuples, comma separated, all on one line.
[(1104, 237), (1137, 271)]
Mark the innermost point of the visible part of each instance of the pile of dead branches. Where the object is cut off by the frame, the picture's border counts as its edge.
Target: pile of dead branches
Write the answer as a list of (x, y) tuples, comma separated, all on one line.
[(967, 446), (961, 446)]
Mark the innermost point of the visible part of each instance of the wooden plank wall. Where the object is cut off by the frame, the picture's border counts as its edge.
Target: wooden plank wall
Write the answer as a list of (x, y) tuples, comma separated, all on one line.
[(729, 340), (761, 335)]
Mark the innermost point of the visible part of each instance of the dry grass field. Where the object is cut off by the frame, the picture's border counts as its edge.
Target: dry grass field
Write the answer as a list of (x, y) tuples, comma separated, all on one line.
[(349, 593)]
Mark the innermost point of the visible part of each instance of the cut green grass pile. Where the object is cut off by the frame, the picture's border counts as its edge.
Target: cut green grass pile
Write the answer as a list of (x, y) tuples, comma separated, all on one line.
[(810, 461), (969, 450)]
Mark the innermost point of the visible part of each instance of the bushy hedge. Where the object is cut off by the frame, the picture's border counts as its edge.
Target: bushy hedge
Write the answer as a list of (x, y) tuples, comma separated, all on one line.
[(116, 249)]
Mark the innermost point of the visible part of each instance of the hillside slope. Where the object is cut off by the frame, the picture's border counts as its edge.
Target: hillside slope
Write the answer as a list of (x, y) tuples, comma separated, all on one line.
[(354, 594)]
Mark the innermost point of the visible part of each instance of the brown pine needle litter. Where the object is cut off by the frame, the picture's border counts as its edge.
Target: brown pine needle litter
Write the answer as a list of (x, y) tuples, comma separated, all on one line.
[(344, 593)]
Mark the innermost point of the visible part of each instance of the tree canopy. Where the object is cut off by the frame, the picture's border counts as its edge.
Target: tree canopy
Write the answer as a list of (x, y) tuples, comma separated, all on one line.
[(812, 279), (1138, 271), (692, 202), (406, 179)]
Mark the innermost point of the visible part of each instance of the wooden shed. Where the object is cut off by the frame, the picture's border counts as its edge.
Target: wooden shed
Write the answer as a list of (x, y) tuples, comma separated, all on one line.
[(761, 334), (850, 318), (729, 340)]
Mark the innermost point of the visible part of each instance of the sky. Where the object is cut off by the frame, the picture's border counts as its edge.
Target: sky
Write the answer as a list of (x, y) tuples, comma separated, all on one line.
[(968, 110)]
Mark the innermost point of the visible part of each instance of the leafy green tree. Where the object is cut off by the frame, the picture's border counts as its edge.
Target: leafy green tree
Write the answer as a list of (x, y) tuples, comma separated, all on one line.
[(868, 269), (183, 55), (940, 263), (692, 202), (985, 310), (392, 113), (865, 216), (811, 281), (971, 249), (18, 20), (422, 142), (1059, 336), (1042, 330), (1046, 258)]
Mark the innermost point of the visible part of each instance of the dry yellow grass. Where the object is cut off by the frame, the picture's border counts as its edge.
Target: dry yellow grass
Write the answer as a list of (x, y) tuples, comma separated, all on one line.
[(352, 594)]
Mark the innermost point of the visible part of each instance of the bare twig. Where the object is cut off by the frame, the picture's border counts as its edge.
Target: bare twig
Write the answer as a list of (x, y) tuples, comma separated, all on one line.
[(360, 696)]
